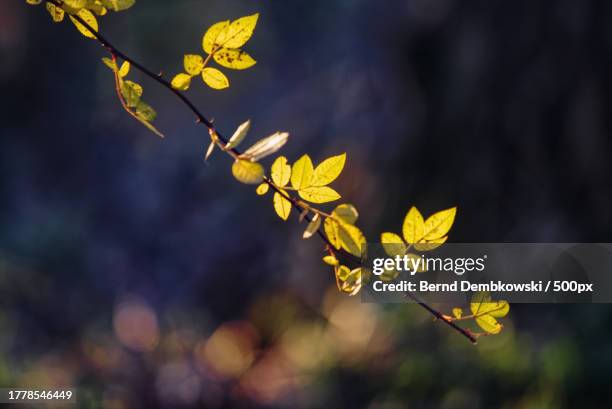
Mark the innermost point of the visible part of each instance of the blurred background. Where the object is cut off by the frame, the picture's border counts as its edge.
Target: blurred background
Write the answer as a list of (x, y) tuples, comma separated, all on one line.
[(144, 278)]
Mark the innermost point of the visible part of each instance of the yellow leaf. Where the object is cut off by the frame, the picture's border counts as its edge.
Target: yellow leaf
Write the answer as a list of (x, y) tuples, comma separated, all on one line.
[(238, 32), (247, 172), (301, 175), (457, 312), (351, 284), (239, 134), (438, 224), (280, 171), (331, 260), (489, 324), (124, 70), (210, 37), (282, 206), (486, 311), (319, 194), (430, 245), (413, 226), (33, 2), (193, 64), (312, 227), (262, 189), (118, 5), (265, 147), (393, 244), (346, 213), (90, 19), (343, 272), (328, 170), (351, 238), (57, 14), (234, 59), (110, 64), (214, 78), (331, 227), (181, 81)]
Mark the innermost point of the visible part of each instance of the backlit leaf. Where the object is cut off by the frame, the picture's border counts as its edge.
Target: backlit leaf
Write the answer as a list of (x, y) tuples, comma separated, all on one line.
[(331, 260), (239, 31), (457, 312), (393, 244), (346, 213), (124, 70), (57, 14), (214, 78), (248, 172), (282, 206), (110, 64), (262, 189), (266, 146), (90, 19), (280, 171), (193, 64), (413, 226), (239, 134), (210, 37), (328, 170), (301, 175), (438, 224), (318, 194), (181, 81), (331, 227), (131, 93), (312, 227), (234, 59), (351, 238), (486, 311)]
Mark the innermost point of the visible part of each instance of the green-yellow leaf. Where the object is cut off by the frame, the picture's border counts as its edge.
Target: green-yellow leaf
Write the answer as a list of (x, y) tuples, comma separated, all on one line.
[(351, 238), (413, 226), (351, 284), (438, 224), (90, 19), (328, 170), (57, 14), (118, 5), (393, 244), (193, 64), (239, 134), (457, 312), (262, 189), (486, 311), (312, 227), (210, 39), (318, 194), (301, 175), (137, 88), (145, 111), (214, 78), (248, 172), (265, 147), (131, 93), (124, 70), (280, 171), (238, 32), (331, 227), (346, 213), (343, 272), (110, 64), (234, 59), (282, 206), (181, 81), (331, 260)]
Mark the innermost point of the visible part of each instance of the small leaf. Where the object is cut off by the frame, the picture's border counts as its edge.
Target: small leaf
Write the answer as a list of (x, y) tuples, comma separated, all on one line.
[(331, 260), (457, 312), (351, 284), (413, 226), (343, 272), (247, 172), (90, 19), (124, 70), (319, 194), (210, 150), (346, 213), (239, 31), (282, 206), (265, 147), (110, 64), (57, 14), (312, 227), (328, 170), (137, 88), (262, 189), (181, 81), (234, 59), (280, 171), (301, 175), (438, 224), (239, 134), (214, 78), (131, 93), (393, 244), (210, 37), (193, 64)]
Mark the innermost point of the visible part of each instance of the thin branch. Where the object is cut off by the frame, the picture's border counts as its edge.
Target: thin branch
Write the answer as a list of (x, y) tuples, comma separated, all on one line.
[(114, 51)]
